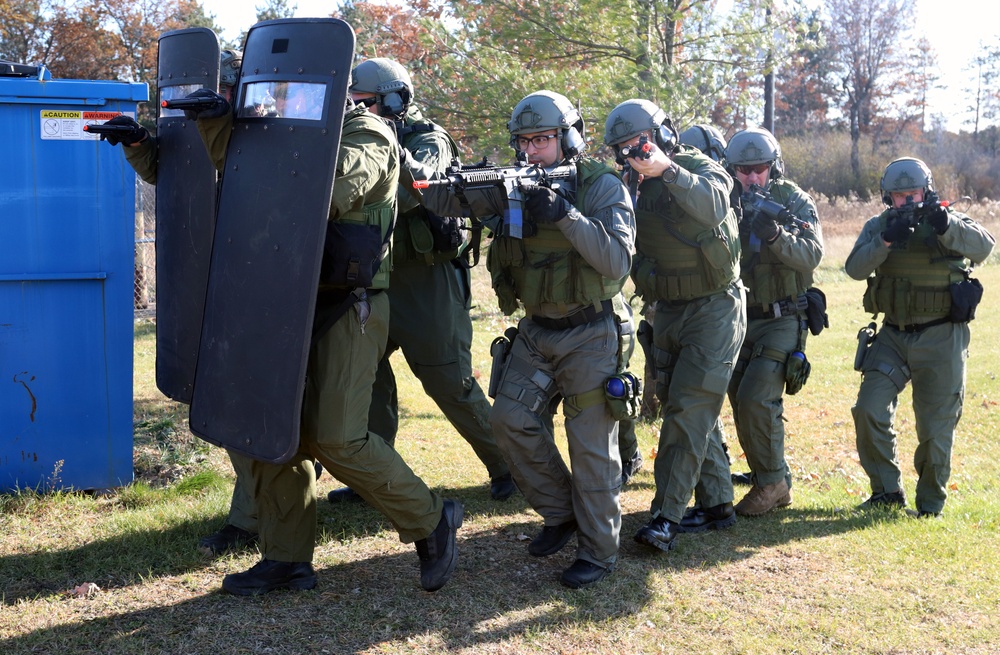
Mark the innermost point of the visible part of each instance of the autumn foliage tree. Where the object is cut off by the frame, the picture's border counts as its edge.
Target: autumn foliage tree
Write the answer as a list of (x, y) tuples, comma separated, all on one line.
[(867, 40)]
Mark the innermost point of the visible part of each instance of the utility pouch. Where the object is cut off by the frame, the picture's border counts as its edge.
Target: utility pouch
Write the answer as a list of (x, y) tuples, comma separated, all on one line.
[(816, 316), (965, 297), (623, 393), (797, 369), (866, 336), (500, 352), (351, 254), (716, 252)]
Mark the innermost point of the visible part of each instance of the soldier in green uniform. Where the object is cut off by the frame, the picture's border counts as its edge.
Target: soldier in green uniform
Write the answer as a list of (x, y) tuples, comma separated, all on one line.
[(916, 256), (429, 288), (141, 148), (782, 245), (352, 329), (142, 152), (687, 262), (567, 271), (710, 141)]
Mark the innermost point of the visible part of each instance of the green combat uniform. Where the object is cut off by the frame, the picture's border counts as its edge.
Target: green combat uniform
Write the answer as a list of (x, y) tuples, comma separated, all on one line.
[(341, 370), (687, 251), (776, 276), (910, 284), (143, 158), (556, 354), (430, 299), (242, 509), (568, 345)]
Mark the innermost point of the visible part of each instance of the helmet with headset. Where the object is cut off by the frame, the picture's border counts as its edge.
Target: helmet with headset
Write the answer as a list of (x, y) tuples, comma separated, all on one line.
[(546, 110), (388, 81), (633, 117), (706, 138), (904, 174)]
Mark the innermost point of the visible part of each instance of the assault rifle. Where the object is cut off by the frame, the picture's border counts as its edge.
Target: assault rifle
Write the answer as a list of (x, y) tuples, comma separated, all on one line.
[(756, 199), (641, 150), (512, 180), (913, 212)]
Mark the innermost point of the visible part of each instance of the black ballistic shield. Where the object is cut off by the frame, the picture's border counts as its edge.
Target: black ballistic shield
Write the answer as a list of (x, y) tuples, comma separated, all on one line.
[(273, 210), (186, 190)]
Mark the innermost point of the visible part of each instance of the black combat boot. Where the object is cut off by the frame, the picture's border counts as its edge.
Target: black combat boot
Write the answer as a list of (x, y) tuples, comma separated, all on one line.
[(583, 574), (268, 575), (228, 538), (502, 487), (631, 467), (658, 533), (439, 551), (344, 495), (551, 539), (699, 519)]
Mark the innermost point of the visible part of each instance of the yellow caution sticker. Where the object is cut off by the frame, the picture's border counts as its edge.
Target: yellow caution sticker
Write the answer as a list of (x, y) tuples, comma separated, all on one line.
[(67, 124)]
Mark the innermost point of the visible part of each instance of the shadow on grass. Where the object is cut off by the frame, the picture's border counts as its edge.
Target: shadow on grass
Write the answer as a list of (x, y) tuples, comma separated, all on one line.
[(497, 593), (749, 535), (121, 561), (494, 595)]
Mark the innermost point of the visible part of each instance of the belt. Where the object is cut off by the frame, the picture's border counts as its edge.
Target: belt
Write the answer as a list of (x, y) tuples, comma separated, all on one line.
[(585, 316), (918, 327), (786, 307)]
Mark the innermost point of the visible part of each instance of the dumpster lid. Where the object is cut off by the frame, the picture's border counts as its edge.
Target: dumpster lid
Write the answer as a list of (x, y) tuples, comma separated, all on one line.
[(12, 69)]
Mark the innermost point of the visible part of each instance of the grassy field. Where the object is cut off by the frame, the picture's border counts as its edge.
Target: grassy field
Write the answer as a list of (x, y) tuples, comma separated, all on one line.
[(817, 577)]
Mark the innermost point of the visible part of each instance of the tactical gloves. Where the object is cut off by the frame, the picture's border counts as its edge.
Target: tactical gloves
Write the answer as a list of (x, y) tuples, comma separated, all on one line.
[(213, 105), (765, 227), (543, 205), (938, 218), (138, 132), (447, 231), (898, 230)]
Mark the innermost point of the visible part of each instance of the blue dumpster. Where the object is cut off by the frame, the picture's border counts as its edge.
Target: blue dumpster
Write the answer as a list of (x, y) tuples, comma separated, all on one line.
[(67, 208)]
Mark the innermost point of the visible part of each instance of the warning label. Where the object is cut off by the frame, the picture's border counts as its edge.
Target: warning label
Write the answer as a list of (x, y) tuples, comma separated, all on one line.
[(67, 125)]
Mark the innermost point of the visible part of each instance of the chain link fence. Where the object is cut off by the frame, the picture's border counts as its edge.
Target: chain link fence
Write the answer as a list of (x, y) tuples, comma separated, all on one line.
[(145, 251)]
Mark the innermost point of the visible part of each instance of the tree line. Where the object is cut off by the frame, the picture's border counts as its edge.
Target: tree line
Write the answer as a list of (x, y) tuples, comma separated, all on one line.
[(843, 85)]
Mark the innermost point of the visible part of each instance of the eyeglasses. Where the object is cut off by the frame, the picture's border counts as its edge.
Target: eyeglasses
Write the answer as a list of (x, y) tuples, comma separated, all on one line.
[(748, 169), (539, 141)]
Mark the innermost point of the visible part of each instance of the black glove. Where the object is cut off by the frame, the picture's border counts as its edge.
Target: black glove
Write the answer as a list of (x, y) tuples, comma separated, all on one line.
[(898, 230), (447, 231), (938, 218), (215, 105), (765, 227), (137, 134), (543, 205)]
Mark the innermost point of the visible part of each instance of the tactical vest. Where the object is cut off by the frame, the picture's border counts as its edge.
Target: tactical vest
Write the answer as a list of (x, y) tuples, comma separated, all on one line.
[(545, 268), (912, 284), (414, 239), (379, 209), (768, 280), (676, 259)]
